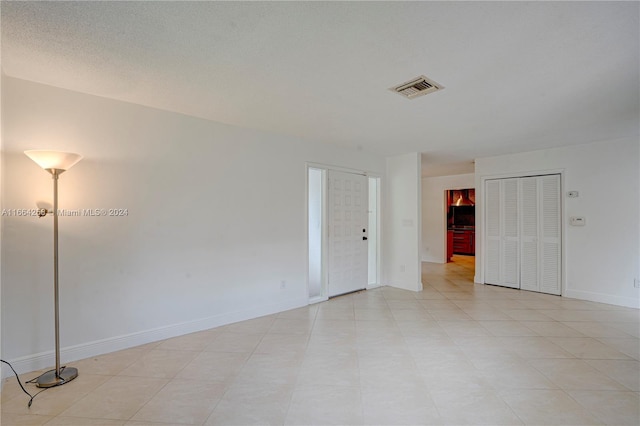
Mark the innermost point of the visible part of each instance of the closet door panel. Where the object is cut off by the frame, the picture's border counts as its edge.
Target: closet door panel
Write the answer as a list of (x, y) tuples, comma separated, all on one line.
[(550, 234), (529, 233), (523, 233), (492, 256), (510, 276)]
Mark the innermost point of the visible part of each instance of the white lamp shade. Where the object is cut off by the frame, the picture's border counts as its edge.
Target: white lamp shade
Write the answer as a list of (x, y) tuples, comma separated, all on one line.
[(54, 159)]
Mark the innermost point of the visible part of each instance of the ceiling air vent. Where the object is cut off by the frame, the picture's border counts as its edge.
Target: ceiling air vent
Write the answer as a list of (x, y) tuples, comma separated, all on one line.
[(417, 87)]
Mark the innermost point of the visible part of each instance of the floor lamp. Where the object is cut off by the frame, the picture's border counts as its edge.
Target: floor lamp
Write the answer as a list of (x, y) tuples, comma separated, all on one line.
[(56, 163)]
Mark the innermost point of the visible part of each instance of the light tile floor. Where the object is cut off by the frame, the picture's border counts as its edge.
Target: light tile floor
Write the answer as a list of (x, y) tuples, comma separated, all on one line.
[(455, 353)]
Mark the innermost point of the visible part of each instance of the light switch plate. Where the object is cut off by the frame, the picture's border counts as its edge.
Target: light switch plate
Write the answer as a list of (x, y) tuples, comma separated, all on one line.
[(577, 221)]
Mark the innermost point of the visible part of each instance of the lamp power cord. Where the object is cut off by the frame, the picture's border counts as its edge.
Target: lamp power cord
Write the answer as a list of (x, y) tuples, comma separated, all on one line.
[(31, 381)]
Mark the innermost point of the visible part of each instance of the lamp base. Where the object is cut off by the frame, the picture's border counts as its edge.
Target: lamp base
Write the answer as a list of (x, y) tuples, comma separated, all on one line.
[(49, 379)]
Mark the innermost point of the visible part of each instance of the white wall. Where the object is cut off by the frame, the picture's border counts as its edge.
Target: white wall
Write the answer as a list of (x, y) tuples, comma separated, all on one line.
[(602, 258), (216, 221), (434, 210), (401, 243)]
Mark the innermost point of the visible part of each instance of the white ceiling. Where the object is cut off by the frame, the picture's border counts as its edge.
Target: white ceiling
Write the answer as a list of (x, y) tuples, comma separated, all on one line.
[(518, 76)]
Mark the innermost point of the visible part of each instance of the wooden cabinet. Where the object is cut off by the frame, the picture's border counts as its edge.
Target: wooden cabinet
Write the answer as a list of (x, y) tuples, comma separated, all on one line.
[(449, 245), (464, 241)]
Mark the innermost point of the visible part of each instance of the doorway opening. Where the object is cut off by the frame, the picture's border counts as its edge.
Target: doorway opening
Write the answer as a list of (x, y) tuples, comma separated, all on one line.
[(343, 231), (461, 223)]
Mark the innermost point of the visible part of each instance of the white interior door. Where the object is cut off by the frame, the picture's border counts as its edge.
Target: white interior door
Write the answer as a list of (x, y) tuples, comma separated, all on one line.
[(502, 267), (523, 233), (493, 234), (550, 234), (529, 247), (510, 261), (348, 219), (540, 241)]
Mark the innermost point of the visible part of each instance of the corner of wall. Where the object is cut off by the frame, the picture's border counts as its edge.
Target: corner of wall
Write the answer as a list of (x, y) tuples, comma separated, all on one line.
[(402, 222)]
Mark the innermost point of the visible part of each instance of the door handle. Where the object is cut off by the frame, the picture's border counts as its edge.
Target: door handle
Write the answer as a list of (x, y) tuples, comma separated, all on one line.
[(364, 238)]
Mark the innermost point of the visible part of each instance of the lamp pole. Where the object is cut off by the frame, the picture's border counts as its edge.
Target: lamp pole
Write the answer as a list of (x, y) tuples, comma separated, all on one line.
[(63, 375), (54, 174), (56, 163)]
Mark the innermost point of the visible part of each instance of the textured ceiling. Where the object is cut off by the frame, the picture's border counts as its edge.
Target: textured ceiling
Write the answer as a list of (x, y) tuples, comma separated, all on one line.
[(518, 76)]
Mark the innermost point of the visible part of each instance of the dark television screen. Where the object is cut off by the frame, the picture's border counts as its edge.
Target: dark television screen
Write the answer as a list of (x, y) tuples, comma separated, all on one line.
[(463, 215)]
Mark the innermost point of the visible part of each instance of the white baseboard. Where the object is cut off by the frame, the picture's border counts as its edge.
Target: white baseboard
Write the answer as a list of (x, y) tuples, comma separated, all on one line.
[(69, 354), (430, 259), (416, 287), (318, 299), (376, 285), (603, 298)]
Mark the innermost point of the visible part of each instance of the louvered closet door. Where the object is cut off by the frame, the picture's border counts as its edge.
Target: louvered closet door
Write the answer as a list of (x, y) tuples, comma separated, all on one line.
[(493, 235), (550, 234), (510, 261), (523, 222), (348, 216), (502, 266), (529, 263)]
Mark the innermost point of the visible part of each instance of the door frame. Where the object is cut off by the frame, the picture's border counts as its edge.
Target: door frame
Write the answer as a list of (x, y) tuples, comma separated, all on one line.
[(325, 231), (481, 221)]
